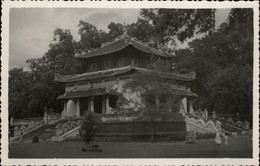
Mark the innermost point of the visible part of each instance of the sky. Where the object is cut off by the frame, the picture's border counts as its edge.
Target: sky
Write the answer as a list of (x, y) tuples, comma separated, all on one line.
[(31, 29)]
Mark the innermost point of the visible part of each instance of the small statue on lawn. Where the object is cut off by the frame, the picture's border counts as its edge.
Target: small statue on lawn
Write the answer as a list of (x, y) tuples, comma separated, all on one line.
[(225, 136), (218, 136)]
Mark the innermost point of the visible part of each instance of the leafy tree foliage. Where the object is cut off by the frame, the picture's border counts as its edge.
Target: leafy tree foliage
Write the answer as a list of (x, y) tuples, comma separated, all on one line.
[(224, 65), (115, 30), (19, 94), (40, 91), (60, 57), (169, 24), (90, 36)]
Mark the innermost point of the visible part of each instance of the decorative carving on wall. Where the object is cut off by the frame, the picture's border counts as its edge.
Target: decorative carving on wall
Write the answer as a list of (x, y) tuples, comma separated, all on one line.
[(121, 62), (93, 67), (107, 64)]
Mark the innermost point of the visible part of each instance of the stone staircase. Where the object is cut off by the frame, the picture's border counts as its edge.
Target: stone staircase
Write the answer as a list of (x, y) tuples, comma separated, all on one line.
[(208, 126), (44, 132), (233, 130)]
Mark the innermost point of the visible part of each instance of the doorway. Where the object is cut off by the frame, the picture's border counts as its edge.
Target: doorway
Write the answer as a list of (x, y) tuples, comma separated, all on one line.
[(113, 101), (83, 105), (98, 104)]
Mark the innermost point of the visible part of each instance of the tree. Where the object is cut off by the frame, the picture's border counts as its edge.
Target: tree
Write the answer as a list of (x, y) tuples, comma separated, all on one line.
[(171, 24), (142, 30), (19, 92), (223, 62), (115, 30), (155, 92), (90, 36), (59, 59)]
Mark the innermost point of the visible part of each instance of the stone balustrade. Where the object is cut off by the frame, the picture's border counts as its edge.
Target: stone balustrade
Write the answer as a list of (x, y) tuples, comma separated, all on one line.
[(234, 121), (20, 130), (62, 128)]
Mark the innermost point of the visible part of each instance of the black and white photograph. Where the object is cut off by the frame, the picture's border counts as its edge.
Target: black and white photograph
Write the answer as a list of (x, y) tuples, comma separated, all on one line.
[(131, 83)]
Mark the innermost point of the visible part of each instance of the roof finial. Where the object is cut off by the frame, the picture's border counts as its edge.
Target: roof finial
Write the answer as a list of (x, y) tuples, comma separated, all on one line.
[(124, 30)]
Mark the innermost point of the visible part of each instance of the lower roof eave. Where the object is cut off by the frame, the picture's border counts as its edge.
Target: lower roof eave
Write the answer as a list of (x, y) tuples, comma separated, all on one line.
[(86, 93), (116, 72)]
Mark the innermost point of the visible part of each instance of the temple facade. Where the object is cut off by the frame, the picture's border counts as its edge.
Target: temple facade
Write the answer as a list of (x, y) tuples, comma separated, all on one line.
[(107, 68)]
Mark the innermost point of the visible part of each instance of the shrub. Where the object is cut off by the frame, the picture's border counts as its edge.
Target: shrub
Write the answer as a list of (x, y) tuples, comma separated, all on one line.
[(35, 139)]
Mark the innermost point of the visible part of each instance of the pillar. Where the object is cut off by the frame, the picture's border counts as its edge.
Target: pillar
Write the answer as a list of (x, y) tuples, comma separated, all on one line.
[(66, 111), (107, 103), (213, 115), (45, 117), (78, 109), (91, 104), (191, 111), (103, 105), (206, 113), (181, 108), (184, 101)]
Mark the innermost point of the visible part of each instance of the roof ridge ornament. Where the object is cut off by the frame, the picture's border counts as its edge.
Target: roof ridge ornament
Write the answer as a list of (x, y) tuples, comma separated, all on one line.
[(124, 30)]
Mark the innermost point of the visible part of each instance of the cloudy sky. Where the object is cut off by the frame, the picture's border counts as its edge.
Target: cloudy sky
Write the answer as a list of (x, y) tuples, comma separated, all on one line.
[(31, 29)]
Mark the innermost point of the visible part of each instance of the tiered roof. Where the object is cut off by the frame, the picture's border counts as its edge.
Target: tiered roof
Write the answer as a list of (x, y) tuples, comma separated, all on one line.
[(120, 43), (120, 71)]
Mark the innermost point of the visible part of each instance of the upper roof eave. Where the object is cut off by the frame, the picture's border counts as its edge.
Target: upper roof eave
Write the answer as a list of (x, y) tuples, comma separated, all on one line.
[(120, 43)]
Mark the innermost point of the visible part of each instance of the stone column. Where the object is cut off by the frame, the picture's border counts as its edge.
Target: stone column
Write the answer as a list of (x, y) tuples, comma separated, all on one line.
[(206, 113), (181, 107), (213, 115), (45, 117), (103, 105), (91, 104), (107, 103), (184, 101), (65, 109), (78, 108), (191, 111)]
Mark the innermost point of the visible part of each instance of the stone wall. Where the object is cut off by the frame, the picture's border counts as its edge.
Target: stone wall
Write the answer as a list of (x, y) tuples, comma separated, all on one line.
[(129, 129)]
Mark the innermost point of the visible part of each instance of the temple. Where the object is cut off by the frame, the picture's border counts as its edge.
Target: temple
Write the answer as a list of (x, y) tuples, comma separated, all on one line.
[(107, 68)]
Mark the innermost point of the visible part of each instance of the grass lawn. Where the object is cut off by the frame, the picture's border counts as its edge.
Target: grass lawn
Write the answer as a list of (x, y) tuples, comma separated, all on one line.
[(239, 147)]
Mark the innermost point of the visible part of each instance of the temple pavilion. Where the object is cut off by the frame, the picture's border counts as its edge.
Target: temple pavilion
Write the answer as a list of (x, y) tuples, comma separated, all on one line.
[(106, 70)]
